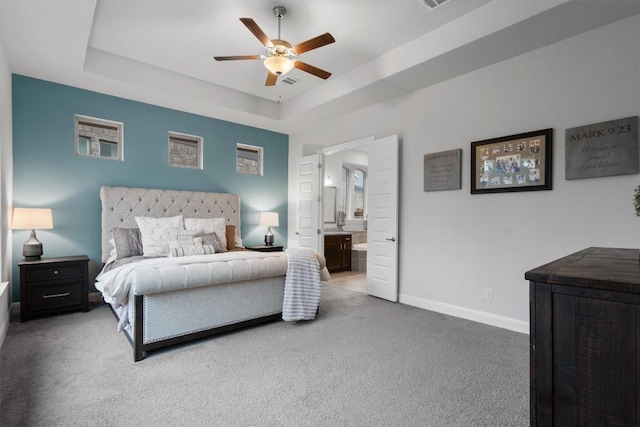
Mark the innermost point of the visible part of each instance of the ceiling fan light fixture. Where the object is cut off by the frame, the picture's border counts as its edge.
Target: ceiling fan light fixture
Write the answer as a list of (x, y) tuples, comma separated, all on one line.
[(278, 65)]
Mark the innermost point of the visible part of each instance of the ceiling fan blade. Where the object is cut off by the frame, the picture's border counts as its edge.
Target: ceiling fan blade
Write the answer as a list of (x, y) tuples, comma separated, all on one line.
[(313, 43), (271, 79), (236, 58), (312, 70), (257, 31)]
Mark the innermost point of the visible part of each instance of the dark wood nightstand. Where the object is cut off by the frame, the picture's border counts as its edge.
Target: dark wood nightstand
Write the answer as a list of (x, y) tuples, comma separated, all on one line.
[(265, 248), (53, 285)]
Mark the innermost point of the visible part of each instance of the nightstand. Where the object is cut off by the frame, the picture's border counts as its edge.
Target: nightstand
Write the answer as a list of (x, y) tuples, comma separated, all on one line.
[(53, 285), (265, 248)]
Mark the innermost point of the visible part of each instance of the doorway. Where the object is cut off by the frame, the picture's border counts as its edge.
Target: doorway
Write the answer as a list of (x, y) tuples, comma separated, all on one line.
[(345, 216), (381, 201)]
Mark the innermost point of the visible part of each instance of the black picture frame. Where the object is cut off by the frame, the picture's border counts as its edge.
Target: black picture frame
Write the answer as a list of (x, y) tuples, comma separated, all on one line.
[(521, 162)]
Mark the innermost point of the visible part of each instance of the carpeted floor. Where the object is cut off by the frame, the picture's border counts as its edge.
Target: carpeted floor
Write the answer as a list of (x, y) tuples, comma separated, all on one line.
[(362, 362)]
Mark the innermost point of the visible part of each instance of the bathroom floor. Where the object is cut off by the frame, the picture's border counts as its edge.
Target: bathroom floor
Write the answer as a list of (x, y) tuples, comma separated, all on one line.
[(351, 280)]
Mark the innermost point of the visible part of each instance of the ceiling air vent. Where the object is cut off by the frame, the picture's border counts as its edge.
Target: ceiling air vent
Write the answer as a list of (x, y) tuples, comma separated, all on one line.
[(290, 81), (432, 4)]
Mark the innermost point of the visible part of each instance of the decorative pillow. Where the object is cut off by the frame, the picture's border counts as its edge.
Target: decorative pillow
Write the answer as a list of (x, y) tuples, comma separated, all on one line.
[(188, 250), (208, 225), (231, 236), (212, 239), (188, 235), (127, 242), (112, 253), (185, 242), (157, 232)]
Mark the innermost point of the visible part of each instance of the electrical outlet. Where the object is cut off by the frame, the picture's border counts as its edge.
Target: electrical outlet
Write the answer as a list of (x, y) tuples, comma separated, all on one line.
[(488, 293)]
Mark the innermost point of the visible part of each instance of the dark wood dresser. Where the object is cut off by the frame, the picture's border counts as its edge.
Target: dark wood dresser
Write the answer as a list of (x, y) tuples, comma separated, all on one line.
[(585, 340), (53, 285)]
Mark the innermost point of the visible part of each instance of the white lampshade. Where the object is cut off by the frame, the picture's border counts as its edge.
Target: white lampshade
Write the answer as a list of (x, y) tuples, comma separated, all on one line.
[(31, 219), (269, 219), (278, 64)]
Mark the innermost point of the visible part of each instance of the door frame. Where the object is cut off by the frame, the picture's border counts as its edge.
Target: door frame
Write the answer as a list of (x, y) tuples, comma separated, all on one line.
[(367, 143), (349, 145)]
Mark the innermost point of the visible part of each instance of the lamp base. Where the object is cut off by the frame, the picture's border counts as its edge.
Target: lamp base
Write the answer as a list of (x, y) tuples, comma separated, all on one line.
[(268, 238), (32, 248)]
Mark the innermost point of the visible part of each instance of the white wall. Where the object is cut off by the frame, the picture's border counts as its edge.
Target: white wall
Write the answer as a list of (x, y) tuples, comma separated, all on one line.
[(453, 244), (6, 179)]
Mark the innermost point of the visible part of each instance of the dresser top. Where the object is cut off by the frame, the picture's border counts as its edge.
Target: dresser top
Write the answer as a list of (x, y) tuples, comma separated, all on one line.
[(602, 268)]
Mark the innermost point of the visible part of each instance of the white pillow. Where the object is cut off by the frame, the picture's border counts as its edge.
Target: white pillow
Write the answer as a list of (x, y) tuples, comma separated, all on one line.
[(208, 225), (112, 253), (195, 241), (157, 232)]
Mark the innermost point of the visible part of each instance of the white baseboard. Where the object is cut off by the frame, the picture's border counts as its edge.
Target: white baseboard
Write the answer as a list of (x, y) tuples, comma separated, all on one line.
[(467, 313), (5, 312)]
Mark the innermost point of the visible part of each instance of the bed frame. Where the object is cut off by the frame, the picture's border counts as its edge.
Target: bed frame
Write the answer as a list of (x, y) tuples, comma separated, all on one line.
[(163, 319)]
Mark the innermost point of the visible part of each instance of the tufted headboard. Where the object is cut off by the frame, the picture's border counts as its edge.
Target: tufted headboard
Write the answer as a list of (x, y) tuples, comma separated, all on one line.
[(120, 206)]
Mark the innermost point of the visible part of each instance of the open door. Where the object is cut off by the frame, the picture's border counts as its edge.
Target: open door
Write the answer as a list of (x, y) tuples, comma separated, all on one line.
[(382, 233), (308, 215)]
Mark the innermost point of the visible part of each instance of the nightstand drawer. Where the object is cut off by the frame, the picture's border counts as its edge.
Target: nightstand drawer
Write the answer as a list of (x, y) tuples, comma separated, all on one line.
[(54, 273), (53, 296)]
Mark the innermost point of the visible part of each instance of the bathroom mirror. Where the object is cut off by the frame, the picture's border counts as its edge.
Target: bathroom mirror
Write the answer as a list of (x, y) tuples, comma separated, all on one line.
[(329, 204)]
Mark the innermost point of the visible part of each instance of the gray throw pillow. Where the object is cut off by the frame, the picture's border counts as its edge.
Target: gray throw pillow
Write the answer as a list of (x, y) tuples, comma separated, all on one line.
[(128, 242), (213, 240)]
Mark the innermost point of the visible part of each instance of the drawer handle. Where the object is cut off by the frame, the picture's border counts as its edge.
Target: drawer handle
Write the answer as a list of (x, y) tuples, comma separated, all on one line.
[(55, 271), (66, 294)]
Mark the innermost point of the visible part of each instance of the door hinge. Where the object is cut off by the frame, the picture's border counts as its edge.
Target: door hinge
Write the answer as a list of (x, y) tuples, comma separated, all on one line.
[(319, 165), (318, 230)]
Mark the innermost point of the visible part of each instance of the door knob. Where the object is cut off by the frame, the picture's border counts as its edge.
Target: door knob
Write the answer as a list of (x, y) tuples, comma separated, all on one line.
[(391, 239)]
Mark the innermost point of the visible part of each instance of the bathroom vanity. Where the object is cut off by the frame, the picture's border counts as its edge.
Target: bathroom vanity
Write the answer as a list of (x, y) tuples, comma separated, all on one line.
[(337, 251)]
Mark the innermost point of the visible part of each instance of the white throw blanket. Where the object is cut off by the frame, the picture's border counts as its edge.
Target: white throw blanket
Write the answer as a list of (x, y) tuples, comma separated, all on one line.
[(301, 286)]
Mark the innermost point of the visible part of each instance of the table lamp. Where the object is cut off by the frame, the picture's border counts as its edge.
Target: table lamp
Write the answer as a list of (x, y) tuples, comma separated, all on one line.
[(32, 219), (268, 219)]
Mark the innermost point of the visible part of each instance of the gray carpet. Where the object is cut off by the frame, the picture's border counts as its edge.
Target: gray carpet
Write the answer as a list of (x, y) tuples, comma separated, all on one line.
[(362, 362)]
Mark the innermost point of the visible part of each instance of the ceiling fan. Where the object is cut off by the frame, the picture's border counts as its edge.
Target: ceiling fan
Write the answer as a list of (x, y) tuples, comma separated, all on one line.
[(279, 52)]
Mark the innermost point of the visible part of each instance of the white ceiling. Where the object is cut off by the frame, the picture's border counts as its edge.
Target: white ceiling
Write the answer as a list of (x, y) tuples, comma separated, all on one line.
[(161, 51)]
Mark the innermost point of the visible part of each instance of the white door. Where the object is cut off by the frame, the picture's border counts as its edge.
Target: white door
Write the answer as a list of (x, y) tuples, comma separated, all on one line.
[(382, 231), (308, 216)]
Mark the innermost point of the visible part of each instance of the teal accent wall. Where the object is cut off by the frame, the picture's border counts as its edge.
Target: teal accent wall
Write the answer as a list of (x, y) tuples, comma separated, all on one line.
[(47, 173)]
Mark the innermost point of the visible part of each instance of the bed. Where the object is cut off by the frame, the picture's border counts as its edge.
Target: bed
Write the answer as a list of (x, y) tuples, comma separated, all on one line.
[(194, 292)]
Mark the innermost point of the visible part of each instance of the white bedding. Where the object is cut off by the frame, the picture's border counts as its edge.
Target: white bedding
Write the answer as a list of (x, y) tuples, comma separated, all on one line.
[(170, 274)]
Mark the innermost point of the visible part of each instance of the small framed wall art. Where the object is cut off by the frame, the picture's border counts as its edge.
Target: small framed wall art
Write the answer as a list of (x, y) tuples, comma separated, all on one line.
[(442, 171), (519, 162)]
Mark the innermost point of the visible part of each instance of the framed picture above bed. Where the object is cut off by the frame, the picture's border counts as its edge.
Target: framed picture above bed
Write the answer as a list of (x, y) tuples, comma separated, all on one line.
[(521, 162)]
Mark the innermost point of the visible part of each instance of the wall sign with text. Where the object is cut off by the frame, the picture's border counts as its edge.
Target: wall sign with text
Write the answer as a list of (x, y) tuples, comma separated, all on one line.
[(442, 171), (602, 149)]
